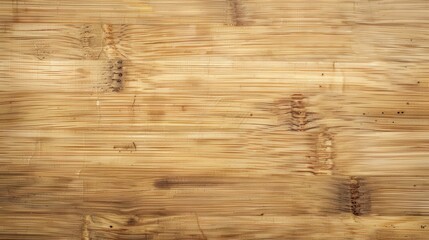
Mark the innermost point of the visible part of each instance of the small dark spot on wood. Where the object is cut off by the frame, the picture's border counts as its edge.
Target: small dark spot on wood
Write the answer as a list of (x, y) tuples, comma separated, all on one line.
[(423, 226), (402, 112), (363, 113), (251, 114), (156, 113), (393, 121), (320, 86), (111, 226), (415, 185), (323, 74), (183, 108), (408, 103), (262, 214), (162, 183), (132, 221), (382, 112), (399, 112), (418, 82)]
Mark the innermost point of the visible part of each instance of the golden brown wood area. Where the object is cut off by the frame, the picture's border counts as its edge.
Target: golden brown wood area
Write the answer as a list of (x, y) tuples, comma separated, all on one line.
[(214, 119)]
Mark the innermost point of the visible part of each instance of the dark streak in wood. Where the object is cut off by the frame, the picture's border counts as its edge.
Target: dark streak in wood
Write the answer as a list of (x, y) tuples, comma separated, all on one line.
[(171, 182), (359, 197), (298, 113), (126, 147), (235, 13), (132, 221)]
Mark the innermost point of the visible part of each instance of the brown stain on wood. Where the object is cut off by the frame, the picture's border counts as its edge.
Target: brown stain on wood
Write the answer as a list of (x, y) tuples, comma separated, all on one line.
[(156, 115), (360, 200), (298, 112), (235, 13), (112, 78)]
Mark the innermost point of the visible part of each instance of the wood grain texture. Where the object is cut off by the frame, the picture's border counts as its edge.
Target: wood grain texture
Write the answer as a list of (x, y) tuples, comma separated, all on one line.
[(223, 119)]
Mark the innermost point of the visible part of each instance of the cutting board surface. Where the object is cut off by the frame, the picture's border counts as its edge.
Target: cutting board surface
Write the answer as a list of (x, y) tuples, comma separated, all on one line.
[(214, 119)]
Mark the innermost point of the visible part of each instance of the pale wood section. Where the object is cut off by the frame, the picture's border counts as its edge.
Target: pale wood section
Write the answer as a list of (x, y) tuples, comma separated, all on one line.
[(200, 150), (224, 12), (120, 12), (386, 153), (148, 41), (178, 190), (295, 12), (361, 41), (226, 93), (35, 41), (393, 11), (285, 43), (338, 79), (398, 195), (194, 226), (146, 191), (96, 225), (47, 225)]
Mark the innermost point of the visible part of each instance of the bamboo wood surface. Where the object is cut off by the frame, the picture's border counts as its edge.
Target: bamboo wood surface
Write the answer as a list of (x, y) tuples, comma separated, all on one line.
[(220, 119)]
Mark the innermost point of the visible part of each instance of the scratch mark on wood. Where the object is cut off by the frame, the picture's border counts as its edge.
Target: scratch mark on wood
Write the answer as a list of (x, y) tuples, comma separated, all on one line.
[(126, 147), (85, 231), (199, 226), (37, 147)]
